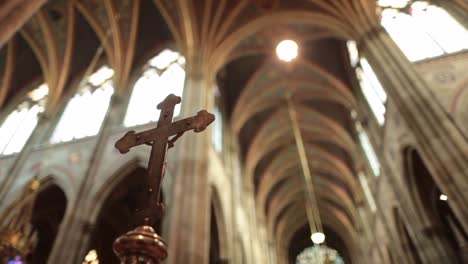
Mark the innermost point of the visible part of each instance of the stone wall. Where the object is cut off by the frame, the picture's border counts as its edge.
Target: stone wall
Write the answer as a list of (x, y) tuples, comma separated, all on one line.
[(448, 80)]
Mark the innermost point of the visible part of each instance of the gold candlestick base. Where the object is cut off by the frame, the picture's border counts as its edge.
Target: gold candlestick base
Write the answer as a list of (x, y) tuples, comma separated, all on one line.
[(141, 245)]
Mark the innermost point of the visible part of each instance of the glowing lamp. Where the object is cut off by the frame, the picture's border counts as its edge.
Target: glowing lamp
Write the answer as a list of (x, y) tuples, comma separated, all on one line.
[(287, 50), (318, 238)]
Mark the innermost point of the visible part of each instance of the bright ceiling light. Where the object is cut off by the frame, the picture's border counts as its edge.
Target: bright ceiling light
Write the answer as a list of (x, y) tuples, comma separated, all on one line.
[(287, 50), (443, 197), (318, 238)]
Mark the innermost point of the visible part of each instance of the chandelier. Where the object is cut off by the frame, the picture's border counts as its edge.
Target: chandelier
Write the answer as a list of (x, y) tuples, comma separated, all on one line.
[(319, 255)]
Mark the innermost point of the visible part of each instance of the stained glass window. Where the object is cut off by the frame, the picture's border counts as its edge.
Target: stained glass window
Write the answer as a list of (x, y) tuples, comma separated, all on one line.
[(368, 149), (19, 124), (164, 74), (319, 255), (86, 110), (422, 30)]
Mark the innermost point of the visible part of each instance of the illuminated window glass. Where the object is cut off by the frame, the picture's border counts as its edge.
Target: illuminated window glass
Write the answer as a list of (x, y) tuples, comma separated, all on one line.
[(163, 75), (373, 91), (368, 149), (371, 87), (217, 136), (422, 30), (367, 191), (86, 110), (19, 124), (353, 52)]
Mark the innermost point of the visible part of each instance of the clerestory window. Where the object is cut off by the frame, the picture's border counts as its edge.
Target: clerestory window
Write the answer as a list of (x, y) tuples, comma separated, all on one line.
[(422, 30), (20, 123), (367, 191), (86, 110), (371, 87), (217, 136), (164, 74), (368, 149)]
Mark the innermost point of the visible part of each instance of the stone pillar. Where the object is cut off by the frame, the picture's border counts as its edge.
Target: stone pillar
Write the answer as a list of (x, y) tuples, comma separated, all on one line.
[(257, 254), (272, 251), (189, 212), (76, 228), (231, 151), (441, 143)]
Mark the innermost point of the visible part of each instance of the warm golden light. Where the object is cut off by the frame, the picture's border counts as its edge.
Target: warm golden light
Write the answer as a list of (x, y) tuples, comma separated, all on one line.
[(39, 93), (318, 238), (101, 75), (91, 258), (287, 50)]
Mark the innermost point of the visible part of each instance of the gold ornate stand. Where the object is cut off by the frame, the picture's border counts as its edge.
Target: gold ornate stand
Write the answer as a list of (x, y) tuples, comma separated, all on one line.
[(141, 245)]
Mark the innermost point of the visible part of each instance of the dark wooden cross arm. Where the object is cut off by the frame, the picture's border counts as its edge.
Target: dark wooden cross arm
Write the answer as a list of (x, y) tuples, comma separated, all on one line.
[(196, 123)]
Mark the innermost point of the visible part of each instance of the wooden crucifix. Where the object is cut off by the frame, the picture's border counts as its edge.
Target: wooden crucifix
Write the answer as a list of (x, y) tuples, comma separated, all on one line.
[(160, 141)]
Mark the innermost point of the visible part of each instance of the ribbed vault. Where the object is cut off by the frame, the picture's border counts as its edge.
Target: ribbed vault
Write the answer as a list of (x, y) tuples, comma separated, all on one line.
[(320, 94), (234, 40), (272, 164)]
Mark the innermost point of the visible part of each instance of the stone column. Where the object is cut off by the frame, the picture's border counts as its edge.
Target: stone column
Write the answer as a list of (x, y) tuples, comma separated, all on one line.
[(442, 145), (189, 212), (272, 251), (76, 228), (232, 153)]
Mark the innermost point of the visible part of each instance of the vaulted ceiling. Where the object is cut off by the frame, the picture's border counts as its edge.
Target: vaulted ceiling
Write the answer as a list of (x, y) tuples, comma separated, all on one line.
[(236, 42)]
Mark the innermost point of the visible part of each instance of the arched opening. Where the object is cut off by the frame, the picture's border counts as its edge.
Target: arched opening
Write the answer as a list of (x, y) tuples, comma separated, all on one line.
[(117, 216), (409, 248), (215, 255), (48, 211), (301, 242), (434, 205), (217, 234)]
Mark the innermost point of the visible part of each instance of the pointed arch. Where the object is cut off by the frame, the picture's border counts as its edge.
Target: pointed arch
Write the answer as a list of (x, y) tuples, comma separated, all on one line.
[(49, 209), (438, 217), (218, 230), (116, 210)]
